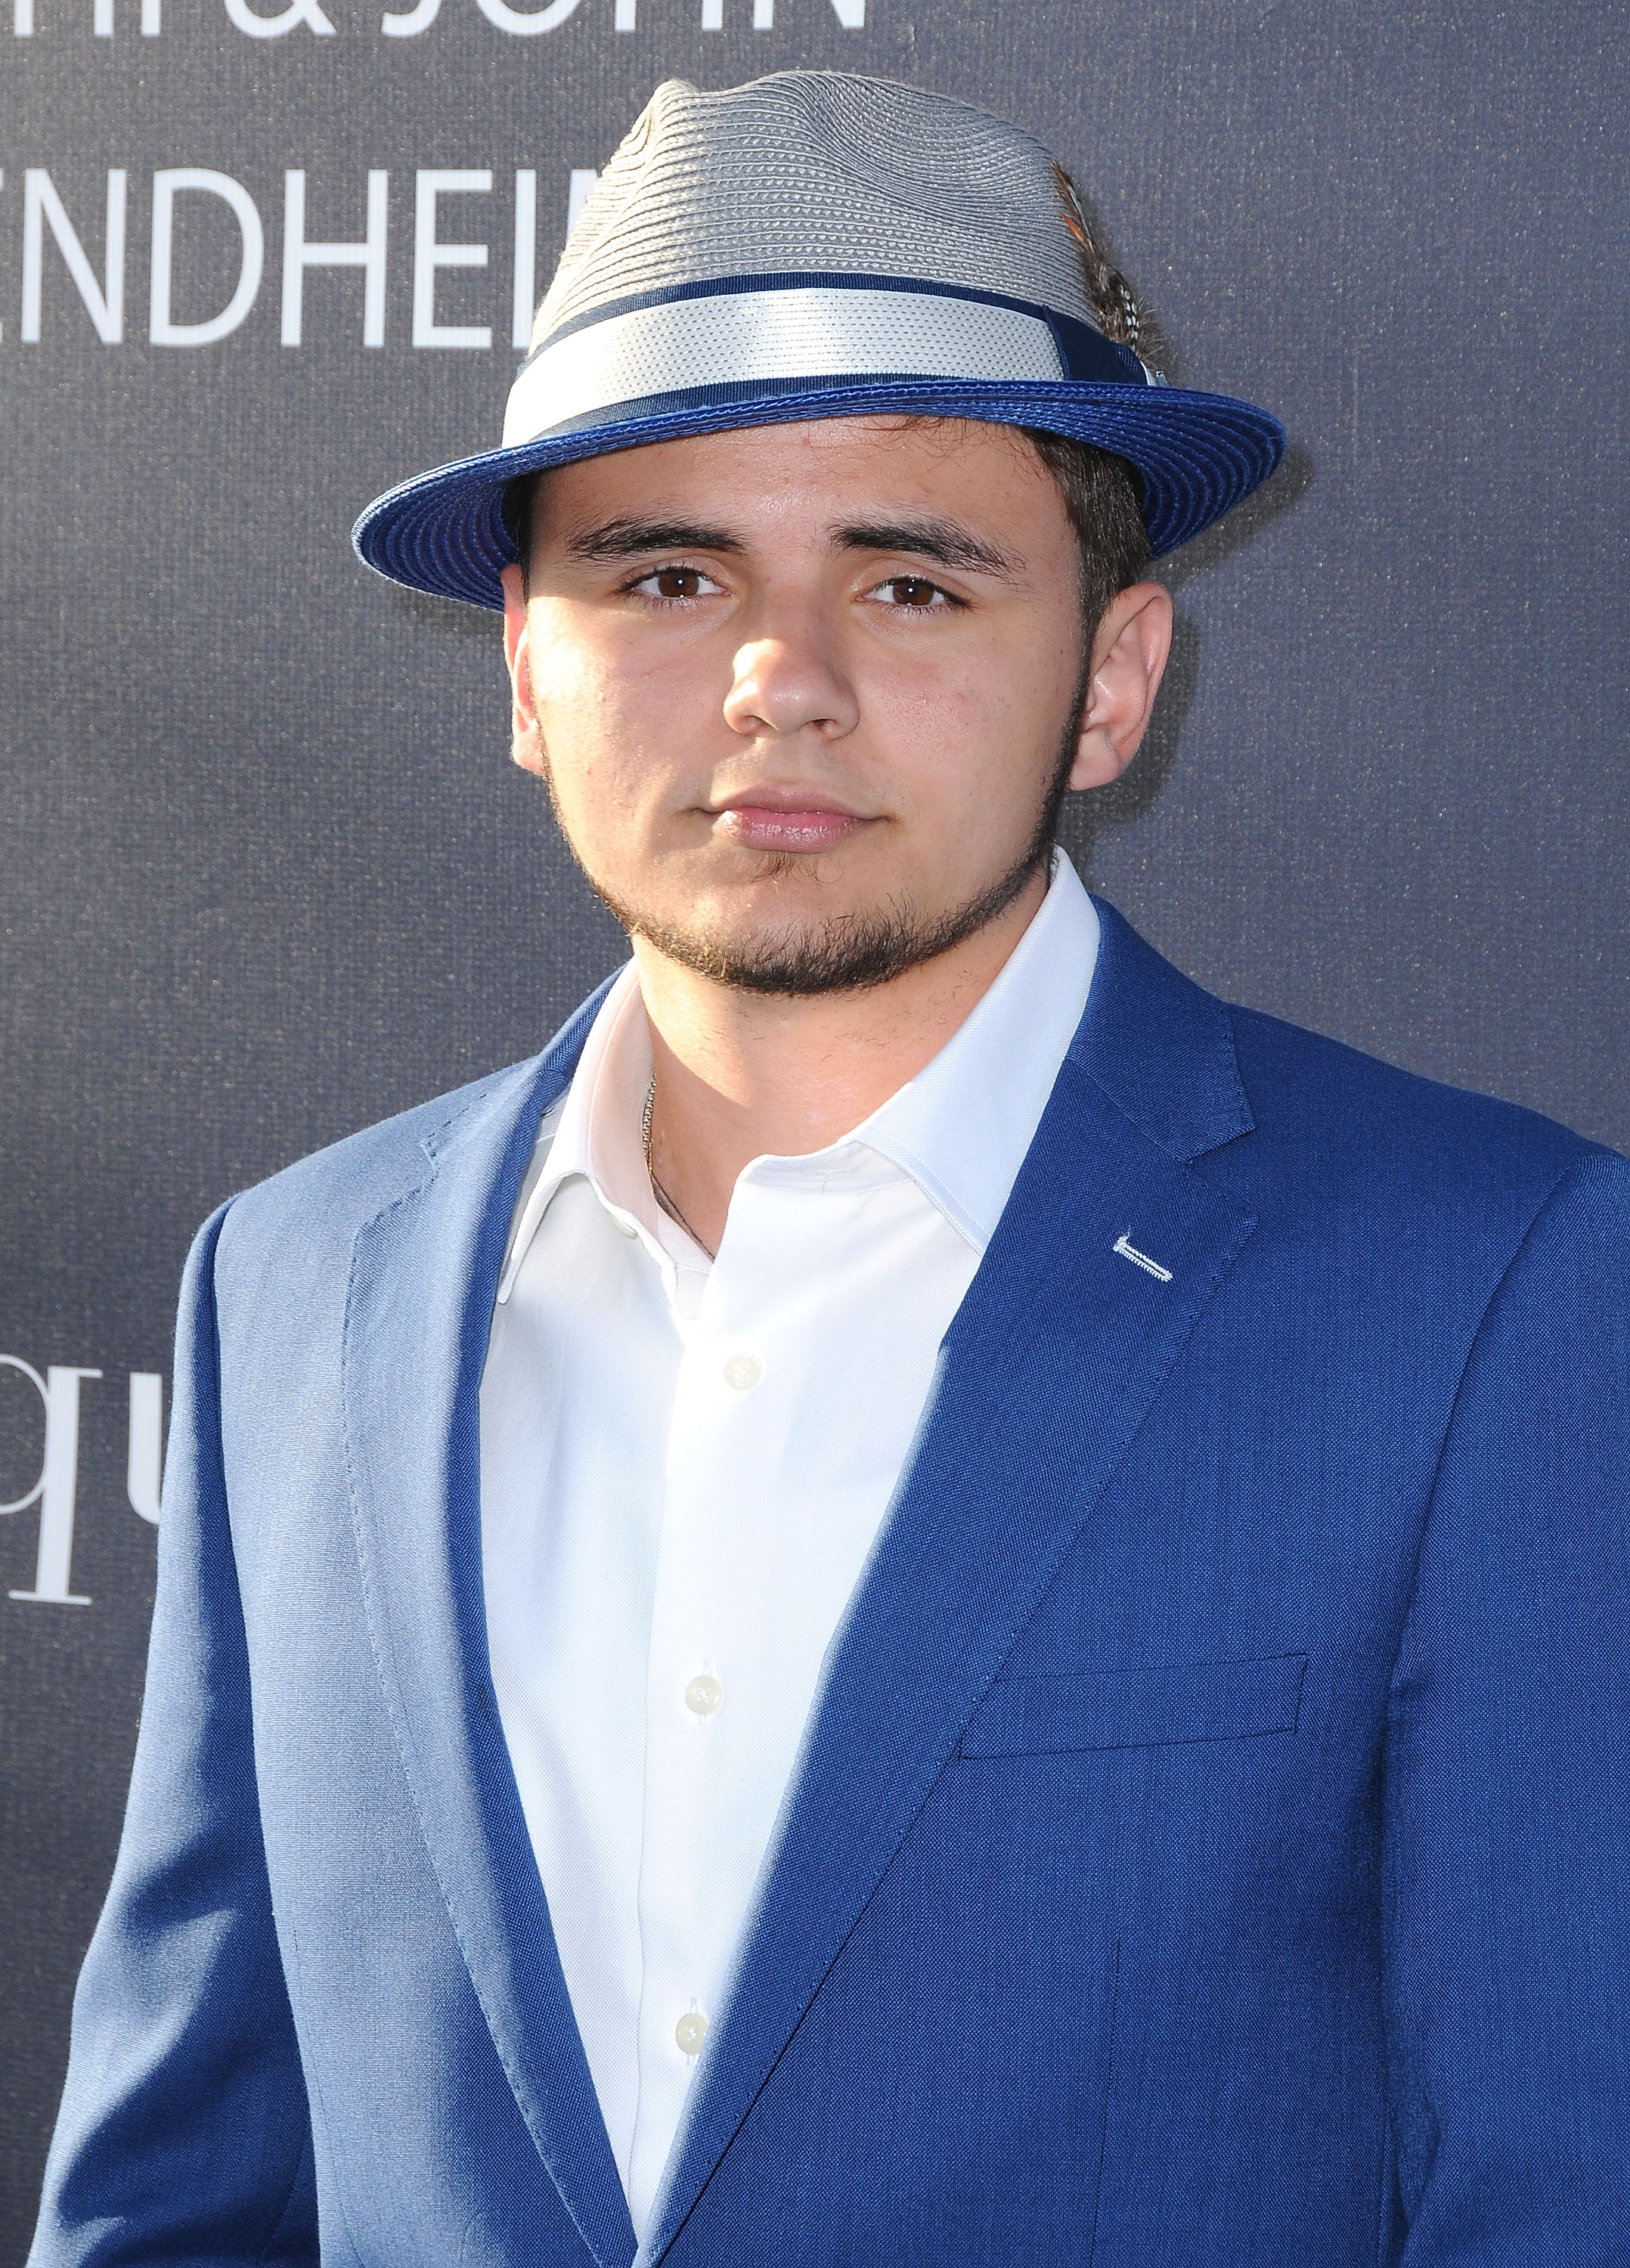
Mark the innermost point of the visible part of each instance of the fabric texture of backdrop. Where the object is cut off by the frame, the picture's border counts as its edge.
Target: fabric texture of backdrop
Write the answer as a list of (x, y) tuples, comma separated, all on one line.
[(267, 875)]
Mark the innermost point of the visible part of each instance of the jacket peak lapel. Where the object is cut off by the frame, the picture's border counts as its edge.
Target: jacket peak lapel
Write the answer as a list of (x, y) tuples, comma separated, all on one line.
[(1160, 1046)]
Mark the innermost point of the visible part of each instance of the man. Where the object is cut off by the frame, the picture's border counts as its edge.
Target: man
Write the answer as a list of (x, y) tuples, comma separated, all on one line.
[(924, 1598)]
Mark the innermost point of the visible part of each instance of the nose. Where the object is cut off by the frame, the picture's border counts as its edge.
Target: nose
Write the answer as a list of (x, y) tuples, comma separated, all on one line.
[(787, 683)]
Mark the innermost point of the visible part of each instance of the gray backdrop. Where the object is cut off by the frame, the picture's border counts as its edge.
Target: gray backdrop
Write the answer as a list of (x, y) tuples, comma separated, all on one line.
[(267, 872)]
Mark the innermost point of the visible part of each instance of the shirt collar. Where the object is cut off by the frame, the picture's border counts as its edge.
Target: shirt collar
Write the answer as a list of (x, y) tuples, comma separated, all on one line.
[(595, 1130), (960, 1129)]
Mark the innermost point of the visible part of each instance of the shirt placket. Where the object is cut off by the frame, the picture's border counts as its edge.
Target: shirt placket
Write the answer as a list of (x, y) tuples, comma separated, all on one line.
[(721, 1458)]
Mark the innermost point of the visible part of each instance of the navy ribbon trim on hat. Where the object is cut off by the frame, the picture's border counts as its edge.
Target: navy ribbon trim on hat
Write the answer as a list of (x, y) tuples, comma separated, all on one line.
[(892, 387), (1087, 355)]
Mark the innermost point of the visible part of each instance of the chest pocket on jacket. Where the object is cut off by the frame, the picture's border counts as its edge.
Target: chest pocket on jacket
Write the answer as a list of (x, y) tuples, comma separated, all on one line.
[(1137, 1708)]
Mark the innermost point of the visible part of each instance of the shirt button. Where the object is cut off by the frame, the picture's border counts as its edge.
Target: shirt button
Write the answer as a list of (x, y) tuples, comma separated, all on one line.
[(705, 1696), (690, 2032), (743, 1372)]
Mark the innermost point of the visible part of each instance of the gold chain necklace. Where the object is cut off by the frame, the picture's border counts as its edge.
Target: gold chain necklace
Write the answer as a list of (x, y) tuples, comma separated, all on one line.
[(657, 1189)]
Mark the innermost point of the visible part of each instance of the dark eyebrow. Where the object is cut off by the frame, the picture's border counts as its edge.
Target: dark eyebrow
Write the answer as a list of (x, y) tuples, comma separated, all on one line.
[(632, 539), (942, 541)]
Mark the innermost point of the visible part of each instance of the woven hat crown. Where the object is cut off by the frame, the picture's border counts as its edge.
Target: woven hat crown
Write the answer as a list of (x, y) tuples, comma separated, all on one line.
[(819, 172)]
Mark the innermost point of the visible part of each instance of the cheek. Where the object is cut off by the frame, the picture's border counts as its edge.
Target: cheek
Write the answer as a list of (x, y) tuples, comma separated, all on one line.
[(591, 734), (978, 731), (571, 690), (620, 713)]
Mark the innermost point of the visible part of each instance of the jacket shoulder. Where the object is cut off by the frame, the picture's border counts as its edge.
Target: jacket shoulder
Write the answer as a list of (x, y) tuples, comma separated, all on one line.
[(283, 1251), (362, 1170), (1321, 1121), (1328, 1115), (338, 1188)]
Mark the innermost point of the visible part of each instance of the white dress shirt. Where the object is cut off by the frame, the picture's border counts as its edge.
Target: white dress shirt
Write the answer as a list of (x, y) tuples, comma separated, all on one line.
[(683, 1468)]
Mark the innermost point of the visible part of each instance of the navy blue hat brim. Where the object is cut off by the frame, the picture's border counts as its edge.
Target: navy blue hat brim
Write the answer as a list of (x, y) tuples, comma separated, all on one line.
[(1198, 455)]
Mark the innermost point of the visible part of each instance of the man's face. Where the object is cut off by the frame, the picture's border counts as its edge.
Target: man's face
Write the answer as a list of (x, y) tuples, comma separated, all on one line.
[(801, 693)]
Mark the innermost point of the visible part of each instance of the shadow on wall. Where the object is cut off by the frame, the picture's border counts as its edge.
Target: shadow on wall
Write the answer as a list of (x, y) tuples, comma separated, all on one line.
[(1087, 817), (469, 626)]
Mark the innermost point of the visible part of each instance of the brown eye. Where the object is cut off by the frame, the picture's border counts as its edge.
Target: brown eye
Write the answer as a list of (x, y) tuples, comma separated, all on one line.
[(912, 591), (677, 583)]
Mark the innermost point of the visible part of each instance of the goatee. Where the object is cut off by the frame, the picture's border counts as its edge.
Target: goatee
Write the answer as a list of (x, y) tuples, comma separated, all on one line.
[(850, 951)]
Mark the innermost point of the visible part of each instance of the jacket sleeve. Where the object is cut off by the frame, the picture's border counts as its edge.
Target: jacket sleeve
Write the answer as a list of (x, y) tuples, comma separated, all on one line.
[(184, 2135), (1507, 1778)]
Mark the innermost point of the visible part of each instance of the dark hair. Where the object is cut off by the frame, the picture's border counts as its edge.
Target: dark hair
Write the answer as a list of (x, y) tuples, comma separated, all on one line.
[(1102, 493), (515, 509), (1103, 496)]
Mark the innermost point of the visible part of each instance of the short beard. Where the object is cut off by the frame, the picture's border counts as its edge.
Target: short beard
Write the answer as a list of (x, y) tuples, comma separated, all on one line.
[(853, 952)]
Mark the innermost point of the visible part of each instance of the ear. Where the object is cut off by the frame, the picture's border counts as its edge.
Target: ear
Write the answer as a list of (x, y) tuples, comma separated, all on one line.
[(526, 743), (1129, 651)]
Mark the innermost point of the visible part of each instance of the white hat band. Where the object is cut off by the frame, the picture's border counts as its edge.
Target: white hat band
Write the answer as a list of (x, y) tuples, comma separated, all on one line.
[(759, 335)]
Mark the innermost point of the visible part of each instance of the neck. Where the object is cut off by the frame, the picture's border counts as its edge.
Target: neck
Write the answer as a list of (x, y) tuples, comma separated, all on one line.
[(743, 1075)]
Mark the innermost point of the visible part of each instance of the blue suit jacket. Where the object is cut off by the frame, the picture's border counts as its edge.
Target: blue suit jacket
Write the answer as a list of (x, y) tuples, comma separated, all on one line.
[(1210, 1841)]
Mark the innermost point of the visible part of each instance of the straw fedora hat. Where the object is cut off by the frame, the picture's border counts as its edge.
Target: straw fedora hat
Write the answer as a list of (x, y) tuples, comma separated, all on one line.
[(816, 244)]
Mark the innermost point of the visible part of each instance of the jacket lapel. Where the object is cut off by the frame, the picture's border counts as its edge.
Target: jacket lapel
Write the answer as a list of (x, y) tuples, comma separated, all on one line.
[(423, 1275), (1045, 1377)]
